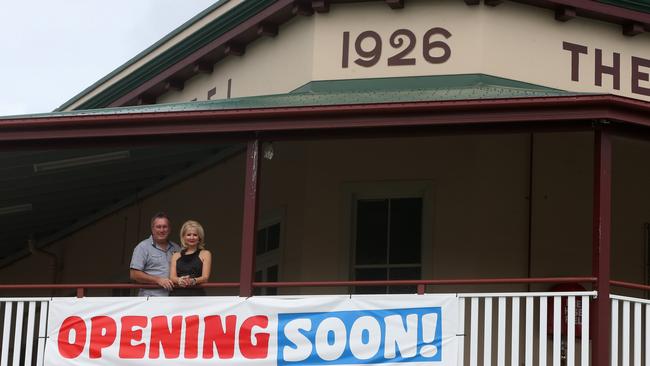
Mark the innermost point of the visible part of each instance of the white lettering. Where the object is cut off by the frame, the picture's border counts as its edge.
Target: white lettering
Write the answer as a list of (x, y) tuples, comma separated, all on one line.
[(429, 323), (359, 349), (325, 350), (303, 345), (405, 338)]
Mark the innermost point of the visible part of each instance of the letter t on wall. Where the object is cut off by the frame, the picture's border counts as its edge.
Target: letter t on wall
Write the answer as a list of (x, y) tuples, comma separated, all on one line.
[(576, 50)]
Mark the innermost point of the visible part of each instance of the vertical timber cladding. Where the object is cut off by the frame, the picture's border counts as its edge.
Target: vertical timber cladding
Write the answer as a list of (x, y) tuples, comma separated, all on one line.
[(514, 41)]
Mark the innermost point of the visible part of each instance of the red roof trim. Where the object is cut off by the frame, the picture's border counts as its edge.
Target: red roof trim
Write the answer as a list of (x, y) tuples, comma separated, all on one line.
[(517, 111)]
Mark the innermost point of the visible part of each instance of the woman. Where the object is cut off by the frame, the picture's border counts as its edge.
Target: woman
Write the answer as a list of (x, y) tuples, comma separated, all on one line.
[(190, 266)]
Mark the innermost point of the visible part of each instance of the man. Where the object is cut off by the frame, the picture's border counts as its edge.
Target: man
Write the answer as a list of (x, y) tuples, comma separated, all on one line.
[(151, 258)]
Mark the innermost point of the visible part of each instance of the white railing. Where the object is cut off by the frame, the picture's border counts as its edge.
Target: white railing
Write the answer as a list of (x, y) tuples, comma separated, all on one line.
[(528, 328), (23, 323), (630, 331), (523, 328)]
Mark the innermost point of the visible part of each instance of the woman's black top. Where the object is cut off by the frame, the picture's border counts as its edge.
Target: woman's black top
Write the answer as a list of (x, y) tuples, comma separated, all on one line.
[(192, 266)]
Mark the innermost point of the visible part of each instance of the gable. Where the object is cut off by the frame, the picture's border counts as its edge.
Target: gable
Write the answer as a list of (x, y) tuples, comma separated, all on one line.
[(278, 46)]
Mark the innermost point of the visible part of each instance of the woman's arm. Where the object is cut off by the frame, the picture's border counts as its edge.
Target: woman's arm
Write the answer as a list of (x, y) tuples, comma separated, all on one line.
[(206, 258), (172, 271)]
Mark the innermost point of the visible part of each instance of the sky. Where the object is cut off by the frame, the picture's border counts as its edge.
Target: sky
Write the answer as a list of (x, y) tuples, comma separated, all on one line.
[(50, 50)]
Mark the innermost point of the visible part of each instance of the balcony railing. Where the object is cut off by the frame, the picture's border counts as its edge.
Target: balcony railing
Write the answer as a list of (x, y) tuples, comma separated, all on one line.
[(630, 331), (528, 328), (523, 324), (24, 322)]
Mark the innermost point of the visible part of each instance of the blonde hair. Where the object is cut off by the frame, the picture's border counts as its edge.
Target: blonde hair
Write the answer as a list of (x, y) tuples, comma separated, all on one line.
[(191, 224)]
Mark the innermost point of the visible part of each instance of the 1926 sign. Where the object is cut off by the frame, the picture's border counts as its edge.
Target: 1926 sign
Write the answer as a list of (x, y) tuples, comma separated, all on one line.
[(403, 42)]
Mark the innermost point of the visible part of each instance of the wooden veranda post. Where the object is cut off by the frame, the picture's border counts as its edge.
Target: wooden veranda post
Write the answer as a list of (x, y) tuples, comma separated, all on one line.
[(247, 265), (601, 246)]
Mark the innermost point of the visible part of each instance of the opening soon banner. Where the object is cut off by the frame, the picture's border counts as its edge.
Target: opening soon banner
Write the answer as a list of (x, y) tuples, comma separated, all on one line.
[(283, 331)]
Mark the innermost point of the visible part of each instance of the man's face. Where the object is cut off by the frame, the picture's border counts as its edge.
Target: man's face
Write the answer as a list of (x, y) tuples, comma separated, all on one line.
[(160, 230)]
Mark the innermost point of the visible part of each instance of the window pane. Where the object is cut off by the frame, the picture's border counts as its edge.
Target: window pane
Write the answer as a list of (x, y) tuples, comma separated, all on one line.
[(370, 274), (272, 276), (404, 274), (259, 277), (273, 237), (272, 273), (260, 241), (372, 230), (405, 230)]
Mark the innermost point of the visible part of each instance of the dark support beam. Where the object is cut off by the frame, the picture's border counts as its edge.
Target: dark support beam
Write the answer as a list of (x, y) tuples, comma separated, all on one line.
[(145, 99), (395, 4), (321, 6), (203, 67), (602, 213), (302, 9), (247, 265), (565, 13), (174, 84), (235, 49), (492, 2), (267, 29), (632, 29), (472, 2)]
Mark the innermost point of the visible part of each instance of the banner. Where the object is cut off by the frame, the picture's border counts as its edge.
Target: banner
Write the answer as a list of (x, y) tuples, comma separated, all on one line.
[(279, 330)]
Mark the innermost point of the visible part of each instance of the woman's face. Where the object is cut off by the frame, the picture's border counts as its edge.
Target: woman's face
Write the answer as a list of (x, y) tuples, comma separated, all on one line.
[(191, 237)]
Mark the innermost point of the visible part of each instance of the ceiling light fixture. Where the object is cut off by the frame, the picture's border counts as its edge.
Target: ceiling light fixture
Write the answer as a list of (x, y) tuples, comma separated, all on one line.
[(15, 209), (80, 161)]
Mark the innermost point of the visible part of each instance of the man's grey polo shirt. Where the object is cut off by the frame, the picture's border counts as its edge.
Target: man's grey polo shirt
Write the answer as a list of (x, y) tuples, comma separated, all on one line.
[(149, 258)]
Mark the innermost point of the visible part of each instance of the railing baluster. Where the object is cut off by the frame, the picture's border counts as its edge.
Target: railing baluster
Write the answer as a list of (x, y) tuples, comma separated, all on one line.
[(461, 329), (514, 352), (584, 354), (557, 330), (501, 341), (18, 332), (614, 355), (530, 310), (543, 316), (29, 337), (647, 335), (473, 345), (571, 331), (6, 334), (487, 331), (42, 329), (637, 334), (626, 333)]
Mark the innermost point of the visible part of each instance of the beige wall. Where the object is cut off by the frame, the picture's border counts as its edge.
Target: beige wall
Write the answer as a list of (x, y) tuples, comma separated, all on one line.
[(270, 66), (512, 41), (475, 191)]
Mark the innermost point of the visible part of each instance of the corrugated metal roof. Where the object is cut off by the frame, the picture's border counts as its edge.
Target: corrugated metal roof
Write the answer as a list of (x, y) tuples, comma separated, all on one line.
[(359, 91)]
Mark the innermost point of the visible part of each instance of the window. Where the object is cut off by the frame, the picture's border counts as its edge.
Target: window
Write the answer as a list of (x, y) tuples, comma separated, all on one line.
[(267, 245), (388, 242)]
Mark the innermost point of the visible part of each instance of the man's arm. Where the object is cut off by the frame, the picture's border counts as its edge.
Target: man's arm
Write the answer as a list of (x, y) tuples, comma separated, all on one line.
[(141, 277)]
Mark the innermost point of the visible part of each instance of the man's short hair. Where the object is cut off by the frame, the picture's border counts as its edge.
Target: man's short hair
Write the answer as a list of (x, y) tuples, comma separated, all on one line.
[(159, 215)]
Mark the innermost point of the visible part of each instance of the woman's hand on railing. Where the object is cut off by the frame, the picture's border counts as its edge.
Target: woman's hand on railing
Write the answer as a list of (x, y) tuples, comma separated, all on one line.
[(184, 281)]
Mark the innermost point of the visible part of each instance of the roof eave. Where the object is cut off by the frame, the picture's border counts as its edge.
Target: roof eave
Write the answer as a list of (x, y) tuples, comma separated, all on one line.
[(520, 112)]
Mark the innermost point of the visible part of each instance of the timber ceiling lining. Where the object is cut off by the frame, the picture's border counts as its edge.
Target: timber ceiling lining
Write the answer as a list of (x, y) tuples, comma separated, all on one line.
[(48, 203)]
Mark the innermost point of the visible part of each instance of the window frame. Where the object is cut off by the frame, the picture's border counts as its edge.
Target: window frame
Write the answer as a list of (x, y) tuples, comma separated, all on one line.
[(273, 257), (354, 191)]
